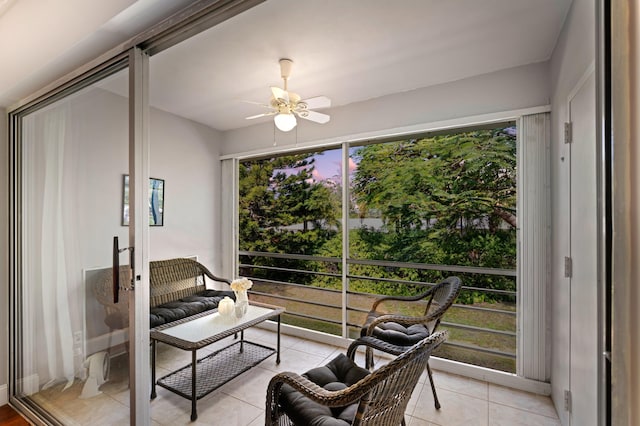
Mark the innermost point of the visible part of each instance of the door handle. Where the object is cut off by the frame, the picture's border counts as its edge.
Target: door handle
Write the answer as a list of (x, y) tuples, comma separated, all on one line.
[(116, 267), (116, 270)]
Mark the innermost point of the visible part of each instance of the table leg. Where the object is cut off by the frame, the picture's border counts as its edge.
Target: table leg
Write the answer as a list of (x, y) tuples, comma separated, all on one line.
[(194, 397), (278, 346), (153, 369), (241, 341)]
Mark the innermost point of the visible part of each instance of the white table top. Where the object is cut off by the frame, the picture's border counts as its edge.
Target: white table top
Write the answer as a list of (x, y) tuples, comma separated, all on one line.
[(208, 327)]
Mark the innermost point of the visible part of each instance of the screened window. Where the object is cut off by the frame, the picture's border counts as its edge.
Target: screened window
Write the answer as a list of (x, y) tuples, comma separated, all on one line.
[(419, 209)]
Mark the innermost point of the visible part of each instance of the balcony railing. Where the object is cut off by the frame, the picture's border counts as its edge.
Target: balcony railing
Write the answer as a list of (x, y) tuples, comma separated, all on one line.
[(482, 324)]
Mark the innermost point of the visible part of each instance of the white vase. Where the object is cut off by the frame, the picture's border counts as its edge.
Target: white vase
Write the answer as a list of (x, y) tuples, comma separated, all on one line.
[(242, 303)]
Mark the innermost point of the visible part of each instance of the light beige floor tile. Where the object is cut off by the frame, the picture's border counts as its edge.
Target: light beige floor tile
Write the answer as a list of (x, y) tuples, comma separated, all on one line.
[(168, 405), (69, 408), (255, 333), (259, 421), (250, 387), (174, 359), (219, 410), (316, 348), (460, 384), (537, 404), (286, 341), (457, 409), (105, 412), (414, 421), (415, 398), (122, 397), (171, 358), (270, 339), (424, 396), (502, 415), (293, 360), (464, 401)]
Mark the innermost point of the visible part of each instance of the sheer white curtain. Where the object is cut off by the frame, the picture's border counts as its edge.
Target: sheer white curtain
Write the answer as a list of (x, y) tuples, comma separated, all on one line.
[(49, 347)]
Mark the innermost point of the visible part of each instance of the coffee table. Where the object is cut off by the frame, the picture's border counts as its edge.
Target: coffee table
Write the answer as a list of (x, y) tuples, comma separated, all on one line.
[(205, 375)]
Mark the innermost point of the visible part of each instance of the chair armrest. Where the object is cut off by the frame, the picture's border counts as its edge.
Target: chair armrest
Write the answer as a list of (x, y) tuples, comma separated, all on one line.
[(208, 273), (402, 298), (374, 343)]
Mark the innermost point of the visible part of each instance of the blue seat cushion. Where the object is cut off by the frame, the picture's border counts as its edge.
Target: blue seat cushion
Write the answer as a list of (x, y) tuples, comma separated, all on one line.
[(338, 374), (395, 333)]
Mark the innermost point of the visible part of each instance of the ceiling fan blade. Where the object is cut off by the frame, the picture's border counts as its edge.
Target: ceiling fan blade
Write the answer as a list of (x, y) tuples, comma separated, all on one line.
[(317, 102), (278, 93), (266, 114), (317, 117), (257, 103)]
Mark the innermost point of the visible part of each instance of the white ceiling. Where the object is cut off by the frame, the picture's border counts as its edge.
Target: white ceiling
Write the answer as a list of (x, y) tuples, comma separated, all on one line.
[(42, 40), (349, 51)]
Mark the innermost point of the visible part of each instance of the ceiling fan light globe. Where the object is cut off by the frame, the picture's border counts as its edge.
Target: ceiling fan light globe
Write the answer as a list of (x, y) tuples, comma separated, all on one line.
[(285, 122)]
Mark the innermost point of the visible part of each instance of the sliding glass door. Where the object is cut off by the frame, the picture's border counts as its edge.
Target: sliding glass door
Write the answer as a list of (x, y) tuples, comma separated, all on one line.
[(72, 323)]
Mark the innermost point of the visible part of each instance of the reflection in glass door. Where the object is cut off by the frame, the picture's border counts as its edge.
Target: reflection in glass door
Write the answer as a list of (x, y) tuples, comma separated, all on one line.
[(71, 352)]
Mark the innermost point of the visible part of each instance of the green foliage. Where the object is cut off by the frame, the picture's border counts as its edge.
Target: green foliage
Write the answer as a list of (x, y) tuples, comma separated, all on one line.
[(282, 210), (452, 180), (444, 200)]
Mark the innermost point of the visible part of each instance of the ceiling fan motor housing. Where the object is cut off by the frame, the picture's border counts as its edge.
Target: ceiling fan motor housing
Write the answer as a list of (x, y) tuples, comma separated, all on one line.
[(285, 68)]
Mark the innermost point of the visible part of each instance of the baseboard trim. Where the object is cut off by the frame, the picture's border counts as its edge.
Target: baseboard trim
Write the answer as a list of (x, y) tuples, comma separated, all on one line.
[(495, 377), (4, 395), (102, 342)]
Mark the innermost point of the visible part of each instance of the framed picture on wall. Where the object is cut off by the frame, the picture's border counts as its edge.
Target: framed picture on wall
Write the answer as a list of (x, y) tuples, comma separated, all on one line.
[(156, 201)]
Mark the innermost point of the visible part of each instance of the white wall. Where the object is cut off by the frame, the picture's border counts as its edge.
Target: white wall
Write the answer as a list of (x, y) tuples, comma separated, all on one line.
[(572, 57), (506, 90), (4, 257), (185, 155), (182, 152)]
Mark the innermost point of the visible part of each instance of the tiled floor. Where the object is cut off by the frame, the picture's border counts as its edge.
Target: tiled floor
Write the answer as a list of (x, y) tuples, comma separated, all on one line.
[(241, 401)]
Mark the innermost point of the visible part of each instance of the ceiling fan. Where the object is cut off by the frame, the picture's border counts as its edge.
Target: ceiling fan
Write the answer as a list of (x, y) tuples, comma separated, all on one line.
[(286, 105)]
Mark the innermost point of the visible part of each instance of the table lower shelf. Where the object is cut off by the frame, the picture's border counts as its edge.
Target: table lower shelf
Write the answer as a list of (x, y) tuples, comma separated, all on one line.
[(216, 369)]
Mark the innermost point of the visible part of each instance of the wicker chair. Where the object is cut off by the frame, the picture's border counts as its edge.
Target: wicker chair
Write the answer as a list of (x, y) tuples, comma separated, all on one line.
[(341, 393), (403, 331)]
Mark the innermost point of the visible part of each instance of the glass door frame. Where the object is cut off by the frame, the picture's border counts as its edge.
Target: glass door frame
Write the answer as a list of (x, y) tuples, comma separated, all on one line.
[(137, 64), (139, 349)]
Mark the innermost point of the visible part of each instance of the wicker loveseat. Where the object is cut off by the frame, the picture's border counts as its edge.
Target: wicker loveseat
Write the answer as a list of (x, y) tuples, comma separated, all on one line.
[(177, 290)]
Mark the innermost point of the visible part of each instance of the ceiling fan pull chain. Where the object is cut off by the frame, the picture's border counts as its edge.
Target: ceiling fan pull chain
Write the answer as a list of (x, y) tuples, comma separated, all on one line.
[(274, 133)]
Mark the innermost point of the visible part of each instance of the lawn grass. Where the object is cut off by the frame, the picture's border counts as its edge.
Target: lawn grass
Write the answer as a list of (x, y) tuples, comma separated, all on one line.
[(328, 308)]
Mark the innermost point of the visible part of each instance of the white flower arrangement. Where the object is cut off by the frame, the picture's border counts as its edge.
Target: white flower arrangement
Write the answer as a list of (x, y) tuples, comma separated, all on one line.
[(241, 284)]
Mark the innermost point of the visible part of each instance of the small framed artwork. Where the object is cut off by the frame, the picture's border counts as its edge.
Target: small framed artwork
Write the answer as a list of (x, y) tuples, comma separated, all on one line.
[(156, 201)]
